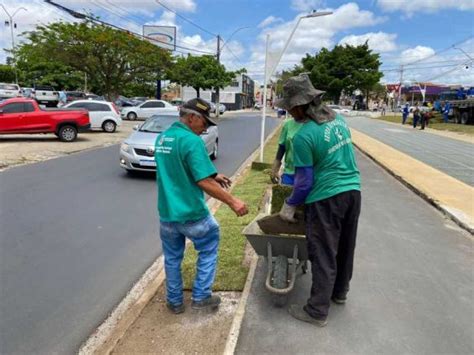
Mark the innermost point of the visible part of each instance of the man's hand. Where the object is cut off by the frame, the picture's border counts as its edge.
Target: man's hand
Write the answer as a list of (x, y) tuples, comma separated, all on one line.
[(223, 180), (275, 174), (239, 207), (287, 213)]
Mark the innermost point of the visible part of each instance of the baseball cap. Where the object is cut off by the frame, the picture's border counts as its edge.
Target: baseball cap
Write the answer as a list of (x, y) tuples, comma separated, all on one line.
[(201, 107)]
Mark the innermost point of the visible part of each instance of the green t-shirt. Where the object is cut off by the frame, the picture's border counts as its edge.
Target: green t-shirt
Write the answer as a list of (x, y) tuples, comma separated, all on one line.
[(181, 161), (328, 148), (288, 132)]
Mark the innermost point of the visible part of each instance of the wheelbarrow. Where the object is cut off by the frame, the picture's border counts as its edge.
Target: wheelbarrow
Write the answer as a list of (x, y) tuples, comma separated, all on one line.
[(284, 254)]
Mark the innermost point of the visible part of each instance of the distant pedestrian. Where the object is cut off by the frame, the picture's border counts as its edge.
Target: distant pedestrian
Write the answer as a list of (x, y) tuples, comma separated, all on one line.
[(425, 119), (405, 113), (446, 109), (183, 172), (62, 98), (416, 116), (384, 108), (327, 182)]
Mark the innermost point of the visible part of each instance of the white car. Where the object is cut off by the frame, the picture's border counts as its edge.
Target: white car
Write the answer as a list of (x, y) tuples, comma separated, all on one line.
[(102, 114), (147, 109), (137, 152), (8, 91), (46, 95), (339, 109)]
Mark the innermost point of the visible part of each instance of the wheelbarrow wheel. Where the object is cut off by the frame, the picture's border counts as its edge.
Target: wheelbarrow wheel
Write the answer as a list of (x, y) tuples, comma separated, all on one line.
[(280, 279)]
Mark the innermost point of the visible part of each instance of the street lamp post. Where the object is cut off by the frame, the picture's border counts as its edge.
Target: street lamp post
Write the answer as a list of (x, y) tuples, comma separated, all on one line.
[(10, 17), (268, 74)]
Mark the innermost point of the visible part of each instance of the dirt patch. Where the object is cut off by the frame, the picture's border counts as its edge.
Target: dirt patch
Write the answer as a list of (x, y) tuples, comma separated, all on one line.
[(158, 331), (19, 149)]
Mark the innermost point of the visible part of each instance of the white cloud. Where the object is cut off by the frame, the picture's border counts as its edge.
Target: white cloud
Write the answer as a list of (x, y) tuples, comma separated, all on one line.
[(418, 53), (379, 42), (305, 5), (411, 7), (268, 21), (311, 35)]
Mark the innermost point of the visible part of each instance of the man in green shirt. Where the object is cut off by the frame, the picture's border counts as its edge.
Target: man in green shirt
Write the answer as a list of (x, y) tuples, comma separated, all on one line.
[(327, 181), (184, 172), (285, 149)]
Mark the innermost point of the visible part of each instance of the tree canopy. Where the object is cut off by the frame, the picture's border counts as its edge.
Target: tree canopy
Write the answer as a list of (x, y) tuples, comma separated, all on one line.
[(200, 72), (344, 68), (61, 53)]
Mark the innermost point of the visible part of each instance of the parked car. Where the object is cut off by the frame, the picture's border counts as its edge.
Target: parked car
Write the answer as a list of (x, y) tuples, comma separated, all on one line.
[(94, 97), (123, 101), (74, 95), (177, 102), (102, 114), (148, 109), (7, 91), (21, 115), (137, 152), (339, 109), (139, 99), (222, 108), (46, 95)]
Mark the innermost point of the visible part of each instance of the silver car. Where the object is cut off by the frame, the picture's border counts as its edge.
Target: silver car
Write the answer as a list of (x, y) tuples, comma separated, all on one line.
[(137, 152)]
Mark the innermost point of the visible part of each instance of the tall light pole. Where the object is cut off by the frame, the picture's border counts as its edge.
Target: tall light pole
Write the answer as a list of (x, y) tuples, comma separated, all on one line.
[(10, 17), (268, 74)]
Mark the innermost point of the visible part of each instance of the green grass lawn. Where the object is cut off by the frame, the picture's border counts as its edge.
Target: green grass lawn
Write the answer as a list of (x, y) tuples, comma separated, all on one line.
[(435, 123), (231, 272)]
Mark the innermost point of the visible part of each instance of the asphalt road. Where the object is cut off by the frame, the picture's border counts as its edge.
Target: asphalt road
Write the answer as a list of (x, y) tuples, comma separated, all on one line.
[(451, 156), (411, 292), (76, 234)]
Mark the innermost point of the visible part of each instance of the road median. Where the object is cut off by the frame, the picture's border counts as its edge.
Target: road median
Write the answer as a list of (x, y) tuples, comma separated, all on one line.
[(451, 196)]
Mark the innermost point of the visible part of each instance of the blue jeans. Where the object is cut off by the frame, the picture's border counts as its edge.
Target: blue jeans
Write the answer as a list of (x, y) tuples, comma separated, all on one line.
[(204, 234)]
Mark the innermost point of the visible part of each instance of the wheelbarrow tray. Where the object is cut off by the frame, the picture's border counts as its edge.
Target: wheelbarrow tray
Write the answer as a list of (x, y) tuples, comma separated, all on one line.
[(282, 244)]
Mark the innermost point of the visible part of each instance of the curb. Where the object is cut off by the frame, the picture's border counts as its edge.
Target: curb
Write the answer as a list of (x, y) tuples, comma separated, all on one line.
[(104, 339), (422, 179)]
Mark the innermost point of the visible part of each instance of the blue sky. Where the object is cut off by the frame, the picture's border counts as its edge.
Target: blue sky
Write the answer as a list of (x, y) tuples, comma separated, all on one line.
[(402, 31)]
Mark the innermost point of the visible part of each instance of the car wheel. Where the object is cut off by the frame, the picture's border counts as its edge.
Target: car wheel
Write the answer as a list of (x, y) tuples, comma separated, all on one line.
[(215, 150), (132, 116), (109, 126), (67, 133)]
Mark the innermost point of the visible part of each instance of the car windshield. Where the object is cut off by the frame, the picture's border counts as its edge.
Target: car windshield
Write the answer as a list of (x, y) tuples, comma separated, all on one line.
[(8, 87), (156, 124)]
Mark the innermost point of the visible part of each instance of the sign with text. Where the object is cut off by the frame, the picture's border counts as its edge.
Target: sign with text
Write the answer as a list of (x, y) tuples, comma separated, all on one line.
[(162, 36)]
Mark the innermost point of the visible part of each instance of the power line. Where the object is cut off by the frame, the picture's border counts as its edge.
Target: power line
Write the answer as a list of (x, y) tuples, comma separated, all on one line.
[(184, 18), (82, 16)]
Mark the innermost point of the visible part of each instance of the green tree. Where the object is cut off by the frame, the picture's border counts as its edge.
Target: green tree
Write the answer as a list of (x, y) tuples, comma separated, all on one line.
[(110, 58), (200, 72), (344, 68), (7, 73)]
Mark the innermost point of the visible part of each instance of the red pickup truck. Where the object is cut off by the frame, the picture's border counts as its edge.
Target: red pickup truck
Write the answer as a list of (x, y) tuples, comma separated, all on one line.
[(20, 115)]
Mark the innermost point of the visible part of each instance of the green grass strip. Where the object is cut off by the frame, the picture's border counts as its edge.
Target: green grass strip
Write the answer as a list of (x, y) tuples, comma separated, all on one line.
[(231, 272), (435, 123)]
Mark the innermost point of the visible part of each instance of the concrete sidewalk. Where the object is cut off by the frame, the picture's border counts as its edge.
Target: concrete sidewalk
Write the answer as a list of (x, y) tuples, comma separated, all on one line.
[(411, 291)]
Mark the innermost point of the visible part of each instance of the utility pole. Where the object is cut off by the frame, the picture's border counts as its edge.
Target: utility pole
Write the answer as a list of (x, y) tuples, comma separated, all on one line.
[(400, 87), (12, 24), (218, 89)]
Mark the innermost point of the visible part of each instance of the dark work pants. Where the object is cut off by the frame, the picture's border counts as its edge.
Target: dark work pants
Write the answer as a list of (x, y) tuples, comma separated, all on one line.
[(331, 229)]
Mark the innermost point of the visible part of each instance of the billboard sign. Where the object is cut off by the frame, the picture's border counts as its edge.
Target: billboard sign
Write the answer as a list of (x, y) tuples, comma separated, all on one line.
[(162, 36)]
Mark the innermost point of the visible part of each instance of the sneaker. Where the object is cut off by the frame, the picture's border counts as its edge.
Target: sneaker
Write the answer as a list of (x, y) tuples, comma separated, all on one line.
[(297, 311), (339, 299), (212, 302), (175, 308)]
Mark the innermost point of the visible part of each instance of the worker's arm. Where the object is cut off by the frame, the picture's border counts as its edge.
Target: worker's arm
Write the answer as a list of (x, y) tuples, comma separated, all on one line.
[(213, 189), (302, 186)]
